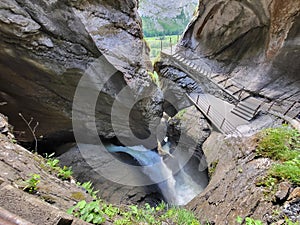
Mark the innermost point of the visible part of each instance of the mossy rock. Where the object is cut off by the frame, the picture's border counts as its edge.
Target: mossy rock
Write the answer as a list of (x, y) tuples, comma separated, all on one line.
[(78, 196)]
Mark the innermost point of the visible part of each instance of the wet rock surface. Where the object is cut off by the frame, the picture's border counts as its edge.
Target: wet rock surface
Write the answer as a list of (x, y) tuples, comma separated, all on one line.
[(48, 46), (48, 205), (233, 191), (256, 43), (87, 167)]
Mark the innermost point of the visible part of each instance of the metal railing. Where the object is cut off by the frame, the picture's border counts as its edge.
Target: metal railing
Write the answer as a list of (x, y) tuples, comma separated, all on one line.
[(219, 121)]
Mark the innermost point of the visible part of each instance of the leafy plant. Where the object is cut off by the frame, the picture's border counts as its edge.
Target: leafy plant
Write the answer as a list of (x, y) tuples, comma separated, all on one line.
[(110, 210), (52, 162), (65, 173), (161, 206), (89, 212), (88, 186), (181, 216), (249, 221), (31, 183)]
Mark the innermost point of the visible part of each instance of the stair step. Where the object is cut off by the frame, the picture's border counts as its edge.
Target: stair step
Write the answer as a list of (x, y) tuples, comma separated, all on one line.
[(233, 89), (247, 105), (229, 84), (219, 79), (242, 115), (293, 114), (253, 101), (245, 109)]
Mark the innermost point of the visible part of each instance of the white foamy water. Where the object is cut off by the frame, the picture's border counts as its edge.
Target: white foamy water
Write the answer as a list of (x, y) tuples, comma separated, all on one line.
[(177, 189)]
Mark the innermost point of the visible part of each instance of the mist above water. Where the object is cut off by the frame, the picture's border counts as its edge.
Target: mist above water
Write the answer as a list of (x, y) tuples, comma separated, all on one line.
[(177, 187)]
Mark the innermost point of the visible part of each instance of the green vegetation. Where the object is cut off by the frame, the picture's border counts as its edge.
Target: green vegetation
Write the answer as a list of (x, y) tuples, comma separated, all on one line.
[(212, 168), (97, 212), (88, 186), (289, 170), (52, 162), (89, 212), (250, 221), (166, 26), (281, 144), (181, 216), (64, 173), (154, 77), (31, 184), (180, 114), (160, 42)]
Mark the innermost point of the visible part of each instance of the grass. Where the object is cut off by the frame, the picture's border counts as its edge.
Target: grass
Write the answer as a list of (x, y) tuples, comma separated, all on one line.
[(156, 42), (251, 221), (281, 144)]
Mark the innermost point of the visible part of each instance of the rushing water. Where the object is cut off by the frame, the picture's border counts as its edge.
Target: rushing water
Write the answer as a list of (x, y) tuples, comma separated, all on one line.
[(178, 188)]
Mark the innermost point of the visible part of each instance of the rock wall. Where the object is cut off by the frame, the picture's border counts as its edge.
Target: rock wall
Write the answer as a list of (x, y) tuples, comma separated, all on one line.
[(48, 45), (255, 42), (235, 170)]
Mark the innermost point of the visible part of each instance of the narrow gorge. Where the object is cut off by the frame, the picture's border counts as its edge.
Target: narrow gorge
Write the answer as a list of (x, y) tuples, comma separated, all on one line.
[(76, 80)]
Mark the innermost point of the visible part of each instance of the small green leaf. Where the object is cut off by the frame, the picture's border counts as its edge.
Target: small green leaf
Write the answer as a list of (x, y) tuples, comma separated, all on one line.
[(239, 220), (90, 218), (70, 210), (81, 204)]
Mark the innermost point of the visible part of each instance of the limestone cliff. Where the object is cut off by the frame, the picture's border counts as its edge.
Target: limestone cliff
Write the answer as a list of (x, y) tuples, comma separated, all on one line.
[(46, 47), (256, 42)]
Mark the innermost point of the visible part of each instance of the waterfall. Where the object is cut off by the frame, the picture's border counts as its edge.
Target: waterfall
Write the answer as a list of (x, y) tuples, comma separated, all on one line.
[(177, 189)]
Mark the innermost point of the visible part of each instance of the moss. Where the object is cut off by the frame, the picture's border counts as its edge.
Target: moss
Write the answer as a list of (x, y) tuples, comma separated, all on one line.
[(212, 168), (180, 114), (78, 196)]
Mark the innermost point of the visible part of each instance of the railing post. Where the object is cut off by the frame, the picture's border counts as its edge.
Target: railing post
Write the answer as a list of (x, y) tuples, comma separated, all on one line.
[(240, 94), (197, 99), (290, 108), (161, 45), (171, 45), (271, 106), (222, 123), (208, 109)]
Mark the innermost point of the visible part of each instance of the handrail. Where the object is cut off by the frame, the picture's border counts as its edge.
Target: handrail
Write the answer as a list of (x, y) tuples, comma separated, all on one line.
[(217, 119)]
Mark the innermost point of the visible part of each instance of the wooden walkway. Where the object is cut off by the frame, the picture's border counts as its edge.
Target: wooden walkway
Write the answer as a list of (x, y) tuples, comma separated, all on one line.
[(247, 108), (218, 113)]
